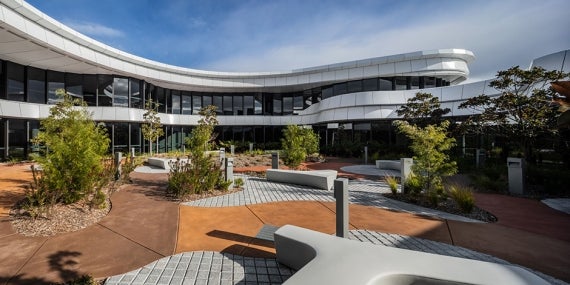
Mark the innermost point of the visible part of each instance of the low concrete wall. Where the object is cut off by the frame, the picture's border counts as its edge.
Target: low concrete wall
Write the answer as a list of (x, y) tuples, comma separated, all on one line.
[(388, 164), (163, 162), (322, 179), (326, 259)]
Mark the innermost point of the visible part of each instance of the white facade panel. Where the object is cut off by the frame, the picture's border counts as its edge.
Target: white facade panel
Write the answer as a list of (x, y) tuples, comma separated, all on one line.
[(473, 89), (451, 93), (403, 66), (348, 99), (370, 71), (419, 65), (10, 108), (387, 69), (364, 98), (355, 73), (355, 113)]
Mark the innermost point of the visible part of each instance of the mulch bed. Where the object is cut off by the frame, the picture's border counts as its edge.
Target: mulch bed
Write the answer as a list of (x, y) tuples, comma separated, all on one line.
[(448, 206)]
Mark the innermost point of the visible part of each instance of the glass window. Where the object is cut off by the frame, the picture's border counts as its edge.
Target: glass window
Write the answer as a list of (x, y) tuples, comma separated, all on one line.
[(217, 100), (105, 90), (258, 104), (401, 83), (15, 74), (136, 137), (277, 105), (414, 82), (327, 92), (90, 89), (238, 105), (17, 138), (384, 84), (267, 103), (307, 98), (287, 105), (121, 92), (206, 101), (298, 102), (429, 82), (56, 81), (355, 86), (74, 85), (186, 103), (36, 85), (121, 137), (370, 84), (135, 93), (228, 105), (248, 104), (161, 99), (340, 88), (196, 104), (175, 102)]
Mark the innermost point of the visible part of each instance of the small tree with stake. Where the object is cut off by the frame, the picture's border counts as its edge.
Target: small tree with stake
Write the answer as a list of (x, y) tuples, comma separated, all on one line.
[(151, 128)]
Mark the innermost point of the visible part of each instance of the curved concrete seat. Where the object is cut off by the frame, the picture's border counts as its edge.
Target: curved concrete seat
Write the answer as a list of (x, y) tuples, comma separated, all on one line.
[(326, 259), (388, 164), (163, 162), (322, 179)]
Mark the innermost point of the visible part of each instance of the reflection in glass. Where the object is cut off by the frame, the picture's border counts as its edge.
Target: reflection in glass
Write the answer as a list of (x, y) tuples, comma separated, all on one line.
[(120, 92), (56, 81), (196, 104), (105, 90), (384, 84), (238, 105), (15, 82), (135, 91), (36, 85), (74, 85), (401, 83), (175, 102), (186, 103)]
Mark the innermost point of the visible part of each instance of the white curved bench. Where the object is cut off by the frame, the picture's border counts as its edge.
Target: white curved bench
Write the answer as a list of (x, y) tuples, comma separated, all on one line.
[(163, 162), (326, 259), (322, 179), (389, 164)]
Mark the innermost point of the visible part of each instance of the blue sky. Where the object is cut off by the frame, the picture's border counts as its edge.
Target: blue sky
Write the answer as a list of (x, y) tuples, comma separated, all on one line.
[(280, 35)]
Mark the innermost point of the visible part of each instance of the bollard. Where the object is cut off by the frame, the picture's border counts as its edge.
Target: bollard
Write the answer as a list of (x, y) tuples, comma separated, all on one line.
[(230, 171), (118, 158), (232, 149), (183, 149), (275, 160), (366, 155), (222, 153), (132, 152), (479, 158), (250, 147), (405, 171), (516, 175), (341, 196)]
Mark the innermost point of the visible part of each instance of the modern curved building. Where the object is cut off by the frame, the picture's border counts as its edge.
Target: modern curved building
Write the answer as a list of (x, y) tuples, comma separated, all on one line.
[(39, 55)]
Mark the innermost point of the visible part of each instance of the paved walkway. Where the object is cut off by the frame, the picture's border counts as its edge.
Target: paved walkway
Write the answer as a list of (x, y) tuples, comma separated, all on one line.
[(361, 192), (143, 228)]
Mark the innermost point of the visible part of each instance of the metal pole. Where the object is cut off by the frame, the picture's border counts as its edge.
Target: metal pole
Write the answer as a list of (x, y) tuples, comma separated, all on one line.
[(341, 196)]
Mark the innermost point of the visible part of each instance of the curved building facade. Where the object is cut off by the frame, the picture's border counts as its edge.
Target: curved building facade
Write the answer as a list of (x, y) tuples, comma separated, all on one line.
[(39, 55)]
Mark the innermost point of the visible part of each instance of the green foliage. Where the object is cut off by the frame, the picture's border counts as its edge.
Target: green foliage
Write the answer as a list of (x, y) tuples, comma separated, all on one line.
[(392, 183), (151, 127), (203, 174), (38, 200), (463, 196), (431, 161), (523, 109), (297, 143), (423, 109), (82, 280), (238, 182), (75, 146), (413, 185)]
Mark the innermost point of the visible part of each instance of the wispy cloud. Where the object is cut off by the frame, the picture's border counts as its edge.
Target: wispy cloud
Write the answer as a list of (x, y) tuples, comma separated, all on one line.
[(95, 29)]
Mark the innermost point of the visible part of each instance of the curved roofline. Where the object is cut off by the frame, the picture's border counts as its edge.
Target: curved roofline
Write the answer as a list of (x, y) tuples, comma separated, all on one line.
[(81, 54)]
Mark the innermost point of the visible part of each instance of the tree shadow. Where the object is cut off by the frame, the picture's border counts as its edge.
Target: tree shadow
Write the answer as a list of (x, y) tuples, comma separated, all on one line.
[(64, 263)]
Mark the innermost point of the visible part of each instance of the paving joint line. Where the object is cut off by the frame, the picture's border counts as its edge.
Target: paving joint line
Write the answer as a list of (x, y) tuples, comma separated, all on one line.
[(28, 260), (449, 231), (133, 241)]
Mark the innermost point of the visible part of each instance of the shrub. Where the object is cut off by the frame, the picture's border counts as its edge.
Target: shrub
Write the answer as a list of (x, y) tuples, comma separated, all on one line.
[(413, 185), (238, 182), (75, 146), (297, 143), (393, 183), (463, 196)]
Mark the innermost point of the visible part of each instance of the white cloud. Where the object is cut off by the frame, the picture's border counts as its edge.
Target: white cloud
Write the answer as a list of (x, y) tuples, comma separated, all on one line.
[(95, 29), (500, 33)]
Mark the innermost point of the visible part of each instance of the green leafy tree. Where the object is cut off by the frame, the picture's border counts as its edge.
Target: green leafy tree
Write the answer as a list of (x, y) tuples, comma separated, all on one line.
[(202, 174), (151, 127), (75, 146), (423, 109), (430, 145), (522, 111), (297, 143)]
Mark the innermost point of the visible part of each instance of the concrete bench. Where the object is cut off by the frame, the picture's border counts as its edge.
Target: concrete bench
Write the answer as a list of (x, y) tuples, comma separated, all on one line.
[(326, 259), (163, 162), (322, 179), (388, 164)]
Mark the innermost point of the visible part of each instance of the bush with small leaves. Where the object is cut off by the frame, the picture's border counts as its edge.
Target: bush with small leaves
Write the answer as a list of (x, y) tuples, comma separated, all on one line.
[(463, 196)]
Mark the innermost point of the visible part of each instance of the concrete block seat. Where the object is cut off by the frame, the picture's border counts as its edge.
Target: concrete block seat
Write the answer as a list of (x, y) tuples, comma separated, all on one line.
[(325, 259), (389, 164), (321, 179), (163, 162)]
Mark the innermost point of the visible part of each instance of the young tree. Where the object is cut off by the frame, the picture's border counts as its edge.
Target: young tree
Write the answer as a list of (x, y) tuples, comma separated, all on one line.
[(297, 143), (523, 109), (151, 127), (431, 162), (423, 109), (75, 146)]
